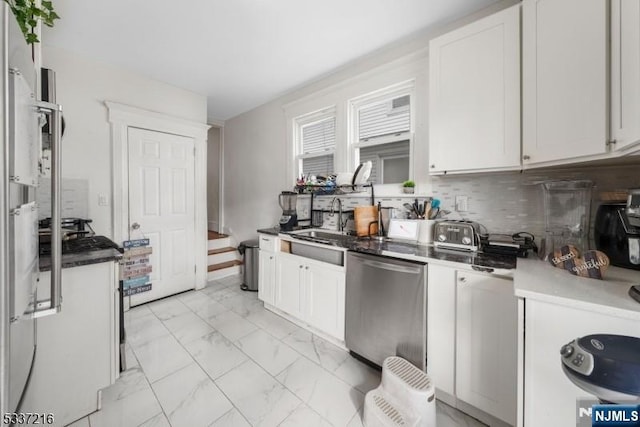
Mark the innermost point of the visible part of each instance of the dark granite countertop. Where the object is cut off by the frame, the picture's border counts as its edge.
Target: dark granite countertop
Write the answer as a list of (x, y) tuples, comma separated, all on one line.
[(421, 252), (428, 252), (85, 258), (81, 251), (274, 231)]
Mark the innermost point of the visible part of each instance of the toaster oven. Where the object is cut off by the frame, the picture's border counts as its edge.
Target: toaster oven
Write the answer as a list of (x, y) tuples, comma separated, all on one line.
[(460, 235)]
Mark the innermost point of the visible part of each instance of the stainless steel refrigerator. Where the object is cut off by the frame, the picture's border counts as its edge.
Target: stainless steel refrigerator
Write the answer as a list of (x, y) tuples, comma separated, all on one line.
[(21, 118)]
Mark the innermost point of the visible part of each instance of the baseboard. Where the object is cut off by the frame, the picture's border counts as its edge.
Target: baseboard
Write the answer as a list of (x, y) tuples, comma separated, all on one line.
[(213, 226)]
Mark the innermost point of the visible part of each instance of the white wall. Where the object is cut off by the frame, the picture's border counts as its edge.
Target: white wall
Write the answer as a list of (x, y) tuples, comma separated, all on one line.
[(257, 145), (254, 170), (82, 87), (213, 177)]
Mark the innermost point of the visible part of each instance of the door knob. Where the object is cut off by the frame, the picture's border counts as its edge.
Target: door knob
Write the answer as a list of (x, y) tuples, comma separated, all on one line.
[(135, 226)]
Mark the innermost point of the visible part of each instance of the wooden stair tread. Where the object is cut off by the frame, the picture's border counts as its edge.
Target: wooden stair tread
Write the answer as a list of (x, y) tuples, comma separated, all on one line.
[(213, 235), (223, 265), (221, 250)]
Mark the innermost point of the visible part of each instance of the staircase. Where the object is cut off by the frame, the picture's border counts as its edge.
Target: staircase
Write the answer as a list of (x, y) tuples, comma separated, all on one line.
[(224, 259)]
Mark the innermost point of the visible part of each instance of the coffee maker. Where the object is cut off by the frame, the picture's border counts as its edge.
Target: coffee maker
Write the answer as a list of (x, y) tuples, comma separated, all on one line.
[(617, 231), (289, 218)]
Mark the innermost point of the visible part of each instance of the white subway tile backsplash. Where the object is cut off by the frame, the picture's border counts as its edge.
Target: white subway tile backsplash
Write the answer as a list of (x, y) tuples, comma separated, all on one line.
[(502, 202), (511, 202)]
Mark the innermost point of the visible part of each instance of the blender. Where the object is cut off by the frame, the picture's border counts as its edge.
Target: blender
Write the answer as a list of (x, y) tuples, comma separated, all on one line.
[(289, 218)]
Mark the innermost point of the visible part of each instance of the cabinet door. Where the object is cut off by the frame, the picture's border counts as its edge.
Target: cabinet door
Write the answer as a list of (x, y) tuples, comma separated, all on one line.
[(325, 295), (625, 72), (76, 347), (564, 69), (289, 289), (441, 327), (267, 277), (486, 341), (474, 99), (550, 395)]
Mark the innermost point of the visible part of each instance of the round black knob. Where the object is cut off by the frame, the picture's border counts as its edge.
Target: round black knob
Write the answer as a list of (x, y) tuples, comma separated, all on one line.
[(566, 350)]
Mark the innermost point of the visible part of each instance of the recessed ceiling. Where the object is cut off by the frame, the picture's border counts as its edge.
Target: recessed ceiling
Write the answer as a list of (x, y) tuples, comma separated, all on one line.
[(241, 53)]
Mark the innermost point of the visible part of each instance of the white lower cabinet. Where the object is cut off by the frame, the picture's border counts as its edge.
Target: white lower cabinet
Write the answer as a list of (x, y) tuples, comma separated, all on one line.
[(486, 344), (78, 348), (267, 268), (267, 276), (472, 339), (311, 291), (550, 398), (325, 296), (290, 284)]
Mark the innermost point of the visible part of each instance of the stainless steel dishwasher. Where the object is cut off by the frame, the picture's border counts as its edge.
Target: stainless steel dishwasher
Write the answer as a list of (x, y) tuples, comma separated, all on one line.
[(386, 308)]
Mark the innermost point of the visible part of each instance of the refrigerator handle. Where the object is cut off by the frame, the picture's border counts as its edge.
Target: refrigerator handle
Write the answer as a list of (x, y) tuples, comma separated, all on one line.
[(53, 305)]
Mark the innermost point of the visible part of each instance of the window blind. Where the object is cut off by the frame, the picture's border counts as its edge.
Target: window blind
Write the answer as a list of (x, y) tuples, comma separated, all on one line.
[(384, 118), (319, 137), (318, 166)]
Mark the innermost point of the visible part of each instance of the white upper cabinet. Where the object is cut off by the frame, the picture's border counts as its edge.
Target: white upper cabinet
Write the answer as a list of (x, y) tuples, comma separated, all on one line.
[(564, 71), (625, 73), (474, 95)]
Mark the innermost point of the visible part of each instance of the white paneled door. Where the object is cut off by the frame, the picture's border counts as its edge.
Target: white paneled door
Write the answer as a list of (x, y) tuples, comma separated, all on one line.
[(161, 208)]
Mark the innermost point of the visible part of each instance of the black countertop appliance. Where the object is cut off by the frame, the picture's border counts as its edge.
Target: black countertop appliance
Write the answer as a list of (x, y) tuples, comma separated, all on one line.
[(616, 236)]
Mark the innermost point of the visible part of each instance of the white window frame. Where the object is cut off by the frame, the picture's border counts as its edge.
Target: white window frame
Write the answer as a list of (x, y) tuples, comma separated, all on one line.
[(307, 119), (387, 93)]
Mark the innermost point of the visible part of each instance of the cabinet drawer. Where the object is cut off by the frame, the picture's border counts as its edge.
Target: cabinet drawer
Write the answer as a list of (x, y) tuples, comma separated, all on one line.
[(268, 243)]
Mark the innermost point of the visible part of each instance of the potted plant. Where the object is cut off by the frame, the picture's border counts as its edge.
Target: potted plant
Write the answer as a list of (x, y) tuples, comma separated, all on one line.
[(28, 12), (408, 187)]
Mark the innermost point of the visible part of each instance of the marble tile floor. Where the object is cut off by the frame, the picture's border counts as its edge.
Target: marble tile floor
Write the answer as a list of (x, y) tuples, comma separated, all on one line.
[(216, 357)]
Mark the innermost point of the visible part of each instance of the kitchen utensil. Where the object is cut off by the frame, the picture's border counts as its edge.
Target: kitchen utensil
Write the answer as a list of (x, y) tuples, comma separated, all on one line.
[(366, 220), (567, 212), (362, 173), (344, 178), (317, 218), (633, 207), (411, 208), (289, 218), (614, 235), (462, 235), (518, 244)]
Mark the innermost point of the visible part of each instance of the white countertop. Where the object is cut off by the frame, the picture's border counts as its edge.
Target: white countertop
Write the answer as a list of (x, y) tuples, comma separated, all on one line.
[(539, 280)]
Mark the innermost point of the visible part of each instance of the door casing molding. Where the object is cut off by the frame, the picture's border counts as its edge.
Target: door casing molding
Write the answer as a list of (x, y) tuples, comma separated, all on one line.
[(121, 117)]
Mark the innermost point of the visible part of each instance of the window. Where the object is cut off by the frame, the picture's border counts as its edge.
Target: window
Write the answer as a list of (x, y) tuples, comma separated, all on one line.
[(316, 143), (382, 133)]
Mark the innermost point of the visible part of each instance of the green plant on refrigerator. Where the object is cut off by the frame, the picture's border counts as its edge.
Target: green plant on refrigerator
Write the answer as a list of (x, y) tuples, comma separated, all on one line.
[(29, 12)]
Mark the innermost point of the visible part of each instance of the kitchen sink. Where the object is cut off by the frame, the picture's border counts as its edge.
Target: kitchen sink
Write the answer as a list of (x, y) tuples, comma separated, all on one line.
[(325, 237)]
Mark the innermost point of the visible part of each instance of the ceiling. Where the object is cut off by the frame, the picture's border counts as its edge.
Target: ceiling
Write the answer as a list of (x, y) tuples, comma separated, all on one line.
[(241, 53)]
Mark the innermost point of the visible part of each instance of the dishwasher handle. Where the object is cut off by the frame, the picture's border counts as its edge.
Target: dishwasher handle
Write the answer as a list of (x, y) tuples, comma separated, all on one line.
[(392, 266)]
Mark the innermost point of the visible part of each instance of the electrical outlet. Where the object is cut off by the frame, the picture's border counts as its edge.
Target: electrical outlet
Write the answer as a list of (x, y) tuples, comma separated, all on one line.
[(462, 203), (103, 200)]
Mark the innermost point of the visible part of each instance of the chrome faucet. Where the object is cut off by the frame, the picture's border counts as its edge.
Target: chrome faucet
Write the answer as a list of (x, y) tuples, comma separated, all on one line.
[(340, 225)]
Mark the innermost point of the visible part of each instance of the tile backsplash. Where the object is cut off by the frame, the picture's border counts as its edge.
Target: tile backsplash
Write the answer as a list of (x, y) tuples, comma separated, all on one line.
[(506, 202), (512, 202)]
